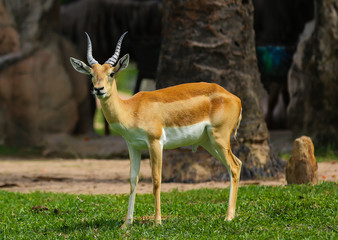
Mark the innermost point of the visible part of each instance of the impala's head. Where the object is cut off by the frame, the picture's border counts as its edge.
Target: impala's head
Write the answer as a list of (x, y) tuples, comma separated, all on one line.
[(102, 75)]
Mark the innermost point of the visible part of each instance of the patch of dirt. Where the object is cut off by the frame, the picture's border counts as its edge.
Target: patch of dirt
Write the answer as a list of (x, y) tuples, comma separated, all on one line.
[(106, 177)]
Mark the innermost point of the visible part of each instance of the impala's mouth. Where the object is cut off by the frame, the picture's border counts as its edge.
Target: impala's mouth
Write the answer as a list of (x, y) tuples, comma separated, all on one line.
[(99, 94)]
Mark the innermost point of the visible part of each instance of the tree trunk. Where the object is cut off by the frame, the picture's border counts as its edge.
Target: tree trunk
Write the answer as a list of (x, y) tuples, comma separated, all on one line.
[(213, 41), (313, 78)]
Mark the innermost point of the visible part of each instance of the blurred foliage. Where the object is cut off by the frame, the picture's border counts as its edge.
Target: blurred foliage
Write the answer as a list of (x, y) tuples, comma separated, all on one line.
[(322, 154), (14, 151), (99, 122), (126, 79), (326, 153)]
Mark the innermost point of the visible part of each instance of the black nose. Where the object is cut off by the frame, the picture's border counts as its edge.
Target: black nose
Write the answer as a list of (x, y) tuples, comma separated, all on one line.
[(98, 89)]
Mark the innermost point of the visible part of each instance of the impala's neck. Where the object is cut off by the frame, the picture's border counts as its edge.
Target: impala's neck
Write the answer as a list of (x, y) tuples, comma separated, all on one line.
[(111, 105)]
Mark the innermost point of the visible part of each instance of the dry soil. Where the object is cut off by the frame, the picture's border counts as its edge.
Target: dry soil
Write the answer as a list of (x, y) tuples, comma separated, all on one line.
[(105, 176)]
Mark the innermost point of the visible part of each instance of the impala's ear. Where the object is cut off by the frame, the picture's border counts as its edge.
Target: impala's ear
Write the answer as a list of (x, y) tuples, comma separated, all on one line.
[(122, 63), (80, 66)]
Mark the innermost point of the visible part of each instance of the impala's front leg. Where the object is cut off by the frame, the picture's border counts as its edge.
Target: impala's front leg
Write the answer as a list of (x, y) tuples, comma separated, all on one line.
[(135, 161), (155, 151)]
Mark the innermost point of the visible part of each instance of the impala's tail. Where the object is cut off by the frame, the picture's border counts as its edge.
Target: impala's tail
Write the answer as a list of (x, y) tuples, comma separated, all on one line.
[(238, 123)]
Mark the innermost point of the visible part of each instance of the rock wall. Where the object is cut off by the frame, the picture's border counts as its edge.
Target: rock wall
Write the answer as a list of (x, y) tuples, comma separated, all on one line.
[(313, 78), (39, 92)]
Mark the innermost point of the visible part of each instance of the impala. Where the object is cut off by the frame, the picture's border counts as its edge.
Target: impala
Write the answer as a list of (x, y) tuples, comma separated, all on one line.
[(194, 114)]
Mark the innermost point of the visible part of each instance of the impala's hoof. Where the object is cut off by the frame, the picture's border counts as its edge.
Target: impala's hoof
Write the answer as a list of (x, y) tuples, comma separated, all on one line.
[(230, 217), (125, 225), (158, 222)]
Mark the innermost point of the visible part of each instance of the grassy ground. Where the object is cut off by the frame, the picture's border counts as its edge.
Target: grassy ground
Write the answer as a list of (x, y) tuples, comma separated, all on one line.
[(291, 212), (322, 154)]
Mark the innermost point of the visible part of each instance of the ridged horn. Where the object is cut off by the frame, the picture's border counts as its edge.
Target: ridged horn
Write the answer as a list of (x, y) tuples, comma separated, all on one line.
[(90, 58), (114, 58)]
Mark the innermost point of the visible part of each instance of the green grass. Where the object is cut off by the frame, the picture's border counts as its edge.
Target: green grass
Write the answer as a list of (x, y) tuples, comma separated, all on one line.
[(321, 155), (19, 152), (291, 212), (328, 153)]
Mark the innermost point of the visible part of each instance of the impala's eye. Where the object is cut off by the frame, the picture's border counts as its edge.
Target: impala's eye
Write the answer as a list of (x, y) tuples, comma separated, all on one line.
[(112, 75)]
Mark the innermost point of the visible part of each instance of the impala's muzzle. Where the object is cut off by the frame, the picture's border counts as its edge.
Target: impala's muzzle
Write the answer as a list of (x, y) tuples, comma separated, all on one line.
[(99, 91)]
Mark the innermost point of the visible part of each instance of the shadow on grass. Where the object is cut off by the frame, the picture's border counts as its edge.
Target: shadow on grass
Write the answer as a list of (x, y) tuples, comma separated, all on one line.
[(91, 225)]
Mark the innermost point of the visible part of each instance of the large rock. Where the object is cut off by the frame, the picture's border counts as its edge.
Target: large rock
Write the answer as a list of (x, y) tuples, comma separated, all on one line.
[(37, 97), (313, 78), (9, 39), (302, 167), (39, 92)]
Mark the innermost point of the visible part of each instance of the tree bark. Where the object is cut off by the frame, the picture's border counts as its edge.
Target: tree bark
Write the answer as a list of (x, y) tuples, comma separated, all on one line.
[(313, 81), (213, 41)]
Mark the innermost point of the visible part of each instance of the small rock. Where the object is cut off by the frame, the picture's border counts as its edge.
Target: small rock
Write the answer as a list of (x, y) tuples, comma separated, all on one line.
[(302, 166)]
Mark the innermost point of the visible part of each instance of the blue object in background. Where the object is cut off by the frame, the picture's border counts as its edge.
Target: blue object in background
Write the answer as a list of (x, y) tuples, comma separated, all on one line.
[(274, 60)]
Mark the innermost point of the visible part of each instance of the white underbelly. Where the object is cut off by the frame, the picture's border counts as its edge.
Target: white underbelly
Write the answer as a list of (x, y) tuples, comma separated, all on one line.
[(173, 137)]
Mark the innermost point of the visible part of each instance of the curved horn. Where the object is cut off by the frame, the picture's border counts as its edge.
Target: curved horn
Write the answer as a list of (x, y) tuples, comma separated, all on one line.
[(90, 58), (114, 58)]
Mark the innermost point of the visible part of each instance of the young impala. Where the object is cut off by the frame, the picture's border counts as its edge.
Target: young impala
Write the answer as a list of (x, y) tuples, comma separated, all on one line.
[(194, 114)]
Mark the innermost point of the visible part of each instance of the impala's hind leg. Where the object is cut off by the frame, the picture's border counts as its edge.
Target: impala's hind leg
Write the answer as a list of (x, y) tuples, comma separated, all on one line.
[(235, 169), (219, 146)]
